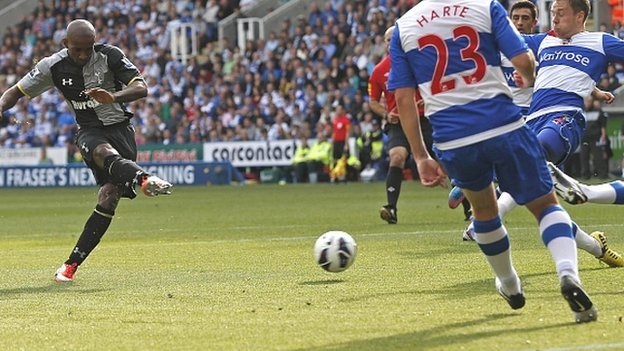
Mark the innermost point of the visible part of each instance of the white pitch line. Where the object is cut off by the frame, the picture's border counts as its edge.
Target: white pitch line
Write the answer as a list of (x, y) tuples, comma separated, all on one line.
[(607, 346), (288, 238)]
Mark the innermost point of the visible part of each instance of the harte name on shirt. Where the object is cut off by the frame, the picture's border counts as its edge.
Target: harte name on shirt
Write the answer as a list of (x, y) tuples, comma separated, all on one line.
[(445, 11)]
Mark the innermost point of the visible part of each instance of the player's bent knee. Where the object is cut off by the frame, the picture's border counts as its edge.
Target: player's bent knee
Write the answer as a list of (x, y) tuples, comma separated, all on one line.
[(103, 152), (398, 156), (537, 206), (554, 147)]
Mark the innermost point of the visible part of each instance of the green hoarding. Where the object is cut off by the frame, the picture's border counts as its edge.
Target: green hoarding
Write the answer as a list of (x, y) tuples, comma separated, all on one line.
[(170, 153)]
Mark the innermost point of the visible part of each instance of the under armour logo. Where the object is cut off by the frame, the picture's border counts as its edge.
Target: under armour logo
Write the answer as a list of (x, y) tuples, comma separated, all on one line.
[(81, 253), (84, 147), (67, 81), (391, 189)]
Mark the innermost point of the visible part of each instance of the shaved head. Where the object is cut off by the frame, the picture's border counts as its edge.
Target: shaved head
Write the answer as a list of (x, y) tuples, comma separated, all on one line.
[(80, 28), (79, 41), (388, 34)]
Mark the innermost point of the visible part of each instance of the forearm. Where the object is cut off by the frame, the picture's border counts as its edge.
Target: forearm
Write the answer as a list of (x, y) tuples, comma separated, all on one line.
[(525, 66), (9, 98), (378, 108), (410, 122), (136, 90)]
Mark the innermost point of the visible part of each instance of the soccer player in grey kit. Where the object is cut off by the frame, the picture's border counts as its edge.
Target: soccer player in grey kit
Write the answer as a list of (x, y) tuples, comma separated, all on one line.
[(95, 80)]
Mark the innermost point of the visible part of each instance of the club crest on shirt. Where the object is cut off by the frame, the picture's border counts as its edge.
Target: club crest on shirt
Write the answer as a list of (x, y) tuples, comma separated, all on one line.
[(127, 63), (561, 120), (34, 72)]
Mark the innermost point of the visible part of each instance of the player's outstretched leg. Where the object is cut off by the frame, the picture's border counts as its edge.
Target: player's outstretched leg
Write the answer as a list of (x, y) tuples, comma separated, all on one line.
[(566, 187), (609, 256), (574, 192), (152, 185)]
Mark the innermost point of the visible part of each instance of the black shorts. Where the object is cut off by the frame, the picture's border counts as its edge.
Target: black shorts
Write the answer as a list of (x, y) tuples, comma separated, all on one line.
[(338, 149), (396, 136), (120, 136)]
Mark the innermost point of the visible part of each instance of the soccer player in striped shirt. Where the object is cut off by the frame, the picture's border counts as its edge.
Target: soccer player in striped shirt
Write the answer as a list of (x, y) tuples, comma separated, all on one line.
[(450, 51)]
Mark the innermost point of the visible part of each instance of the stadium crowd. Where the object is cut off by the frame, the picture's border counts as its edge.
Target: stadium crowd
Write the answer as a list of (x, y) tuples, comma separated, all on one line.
[(285, 87)]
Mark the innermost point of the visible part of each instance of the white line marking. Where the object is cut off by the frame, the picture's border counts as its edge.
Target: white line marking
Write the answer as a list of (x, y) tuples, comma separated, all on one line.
[(608, 346)]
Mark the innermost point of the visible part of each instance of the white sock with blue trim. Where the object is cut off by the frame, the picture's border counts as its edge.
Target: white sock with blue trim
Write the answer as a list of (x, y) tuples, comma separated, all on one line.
[(556, 229), (494, 243)]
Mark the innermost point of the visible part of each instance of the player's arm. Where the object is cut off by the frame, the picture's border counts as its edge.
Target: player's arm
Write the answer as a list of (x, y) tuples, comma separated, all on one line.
[(524, 75), (602, 95), (9, 98), (375, 92), (136, 90), (411, 124), (378, 108), (403, 82), (514, 46), (431, 174), (125, 72), (33, 84)]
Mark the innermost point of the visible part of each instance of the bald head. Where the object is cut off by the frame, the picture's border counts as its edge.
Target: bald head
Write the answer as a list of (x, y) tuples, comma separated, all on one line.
[(388, 34), (80, 28), (79, 41)]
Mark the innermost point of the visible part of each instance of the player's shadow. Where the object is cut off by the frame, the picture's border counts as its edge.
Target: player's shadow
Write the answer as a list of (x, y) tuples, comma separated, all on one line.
[(437, 337), (50, 288), (323, 282)]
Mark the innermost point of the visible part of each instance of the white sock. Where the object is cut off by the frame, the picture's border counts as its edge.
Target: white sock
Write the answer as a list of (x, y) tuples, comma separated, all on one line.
[(600, 193), (511, 286), (506, 203), (494, 243), (558, 239), (586, 242)]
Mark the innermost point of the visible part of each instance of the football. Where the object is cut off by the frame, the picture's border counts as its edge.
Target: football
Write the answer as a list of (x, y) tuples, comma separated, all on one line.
[(335, 251)]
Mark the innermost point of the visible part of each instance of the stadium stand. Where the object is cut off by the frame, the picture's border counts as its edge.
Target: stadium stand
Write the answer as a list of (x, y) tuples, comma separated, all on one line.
[(315, 56)]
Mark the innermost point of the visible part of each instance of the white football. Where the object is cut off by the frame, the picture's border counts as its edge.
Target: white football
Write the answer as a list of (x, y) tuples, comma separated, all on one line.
[(335, 251)]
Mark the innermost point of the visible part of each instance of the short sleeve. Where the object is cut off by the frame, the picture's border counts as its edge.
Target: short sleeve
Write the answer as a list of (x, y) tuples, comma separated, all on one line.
[(38, 80), (401, 74)]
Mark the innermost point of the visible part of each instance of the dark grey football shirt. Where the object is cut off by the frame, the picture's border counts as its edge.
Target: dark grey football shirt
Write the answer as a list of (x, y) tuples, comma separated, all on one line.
[(108, 68)]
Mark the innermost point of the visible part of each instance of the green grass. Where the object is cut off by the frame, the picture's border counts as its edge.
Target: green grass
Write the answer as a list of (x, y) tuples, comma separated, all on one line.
[(231, 268)]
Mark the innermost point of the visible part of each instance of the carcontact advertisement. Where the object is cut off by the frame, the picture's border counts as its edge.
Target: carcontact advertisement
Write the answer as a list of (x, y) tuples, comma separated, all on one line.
[(251, 153)]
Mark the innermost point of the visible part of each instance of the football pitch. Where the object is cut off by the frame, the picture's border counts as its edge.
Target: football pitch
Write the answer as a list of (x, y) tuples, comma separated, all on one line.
[(231, 268)]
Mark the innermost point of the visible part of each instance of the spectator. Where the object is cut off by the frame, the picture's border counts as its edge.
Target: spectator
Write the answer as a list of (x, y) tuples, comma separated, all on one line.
[(300, 161), (319, 159)]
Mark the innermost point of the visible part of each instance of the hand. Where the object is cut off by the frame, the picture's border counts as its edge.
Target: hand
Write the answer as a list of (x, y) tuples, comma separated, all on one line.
[(520, 81), (431, 174), (393, 117), (604, 96), (100, 95)]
